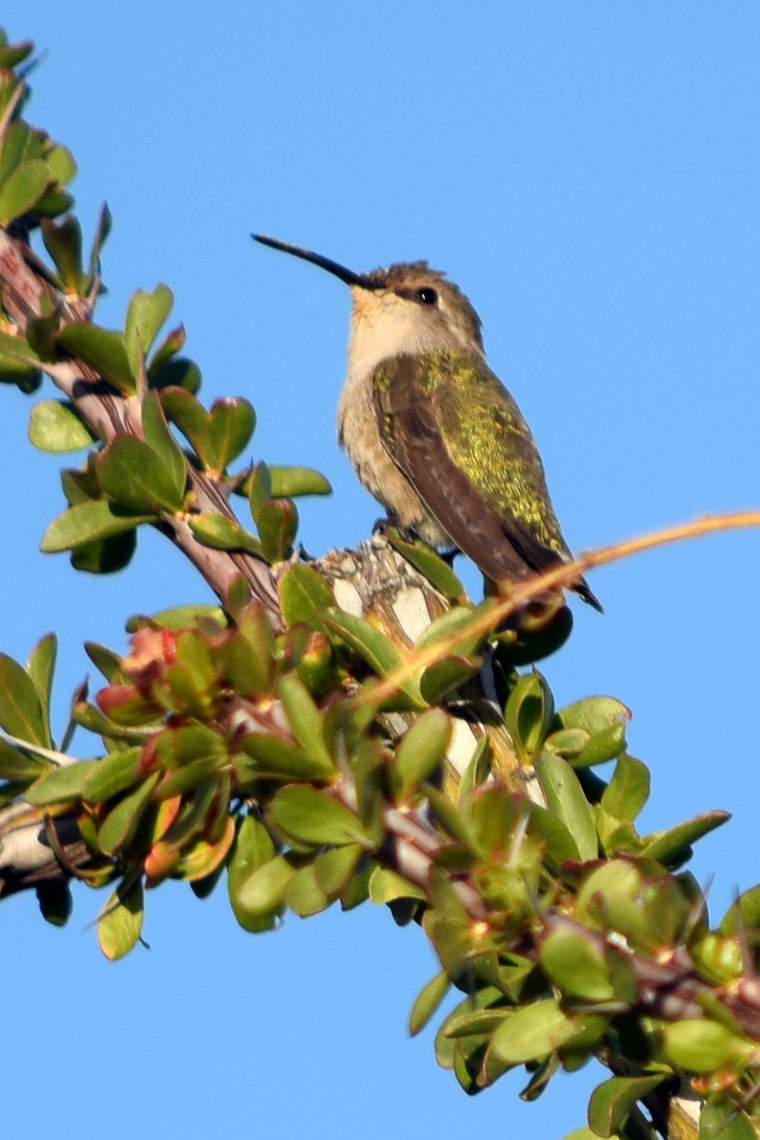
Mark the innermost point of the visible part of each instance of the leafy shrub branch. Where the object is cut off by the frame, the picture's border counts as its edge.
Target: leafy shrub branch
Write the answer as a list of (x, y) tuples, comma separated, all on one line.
[(348, 729)]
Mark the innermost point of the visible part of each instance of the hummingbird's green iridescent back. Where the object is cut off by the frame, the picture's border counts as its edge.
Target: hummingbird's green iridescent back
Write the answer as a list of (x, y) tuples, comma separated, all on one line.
[(454, 430)]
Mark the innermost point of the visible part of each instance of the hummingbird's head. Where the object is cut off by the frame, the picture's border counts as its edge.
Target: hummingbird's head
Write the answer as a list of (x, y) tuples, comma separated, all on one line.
[(405, 308)]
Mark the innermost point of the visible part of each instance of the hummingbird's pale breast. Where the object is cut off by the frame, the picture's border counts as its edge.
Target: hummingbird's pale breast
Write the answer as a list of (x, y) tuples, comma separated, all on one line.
[(385, 325)]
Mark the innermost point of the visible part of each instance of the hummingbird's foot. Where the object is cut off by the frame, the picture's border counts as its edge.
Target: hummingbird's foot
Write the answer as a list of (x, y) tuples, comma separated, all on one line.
[(407, 533)]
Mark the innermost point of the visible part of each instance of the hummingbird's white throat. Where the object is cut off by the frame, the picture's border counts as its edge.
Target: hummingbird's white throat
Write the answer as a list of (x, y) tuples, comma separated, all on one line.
[(383, 325)]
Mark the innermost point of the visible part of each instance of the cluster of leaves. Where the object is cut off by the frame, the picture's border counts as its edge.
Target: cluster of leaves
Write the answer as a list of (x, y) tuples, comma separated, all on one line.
[(269, 745), (231, 746)]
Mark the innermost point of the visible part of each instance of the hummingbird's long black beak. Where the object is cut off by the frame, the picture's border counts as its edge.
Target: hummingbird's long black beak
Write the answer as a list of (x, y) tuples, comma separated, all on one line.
[(340, 271)]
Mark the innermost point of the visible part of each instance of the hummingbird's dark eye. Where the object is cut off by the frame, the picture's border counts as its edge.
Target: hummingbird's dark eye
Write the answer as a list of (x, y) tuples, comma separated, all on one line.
[(426, 295)]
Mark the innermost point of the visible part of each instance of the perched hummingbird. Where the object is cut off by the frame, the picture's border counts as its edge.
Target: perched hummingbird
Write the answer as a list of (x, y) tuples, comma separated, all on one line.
[(432, 432)]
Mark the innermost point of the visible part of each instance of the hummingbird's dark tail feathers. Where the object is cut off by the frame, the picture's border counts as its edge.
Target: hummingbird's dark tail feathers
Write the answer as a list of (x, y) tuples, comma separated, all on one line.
[(582, 589)]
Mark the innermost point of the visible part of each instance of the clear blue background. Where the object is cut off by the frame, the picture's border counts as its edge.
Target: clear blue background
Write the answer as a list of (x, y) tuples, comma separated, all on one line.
[(589, 173)]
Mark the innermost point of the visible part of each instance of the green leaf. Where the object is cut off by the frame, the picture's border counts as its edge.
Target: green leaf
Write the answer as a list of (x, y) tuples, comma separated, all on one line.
[(62, 784), (120, 926), (374, 647), (19, 766), (277, 523), (259, 489), (612, 1101), (101, 235), (90, 522), (560, 844), (532, 1032), (293, 482), (604, 745), (120, 825), (305, 720), (421, 751), (260, 896), (335, 867), (252, 850), (386, 886), (593, 714), (21, 710), (565, 799), (456, 622), (17, 348), (304, 894), (64, 244), (162, 442), (304, 597), (429, 564), (116, 772), (442, 677), (169, 347), (132, 474), (192, 419), (231, 424), (103, 350), (701, 1046), (178, 373), (145, 315), (575, 966), (55, 902), (314, 818), (61, 164), (724, 1120), (671, 847), (746, 908), (40, 668), (628, 790), (16, 53), (273, 756), (427, 1002), (176, 747), (614, 875), (55, 426), (478, 768), (221, 533), (22, 189), (107, 555), (529, 712)]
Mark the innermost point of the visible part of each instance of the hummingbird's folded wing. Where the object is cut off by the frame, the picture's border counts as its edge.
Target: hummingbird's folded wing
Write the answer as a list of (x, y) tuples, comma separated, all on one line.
[(455, 432)]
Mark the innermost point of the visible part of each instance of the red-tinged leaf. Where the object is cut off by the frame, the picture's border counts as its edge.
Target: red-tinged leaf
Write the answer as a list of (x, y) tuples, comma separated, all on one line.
[(202, 858), (161, 861)]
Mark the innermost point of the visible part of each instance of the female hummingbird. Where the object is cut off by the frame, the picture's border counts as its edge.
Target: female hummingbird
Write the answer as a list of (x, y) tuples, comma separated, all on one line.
[(432, 432)]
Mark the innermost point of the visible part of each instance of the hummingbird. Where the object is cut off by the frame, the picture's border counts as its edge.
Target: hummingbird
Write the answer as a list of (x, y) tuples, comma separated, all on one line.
[(431, 431)]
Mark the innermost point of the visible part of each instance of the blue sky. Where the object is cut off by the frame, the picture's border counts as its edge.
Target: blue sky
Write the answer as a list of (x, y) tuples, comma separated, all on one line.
[(589, 174)]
